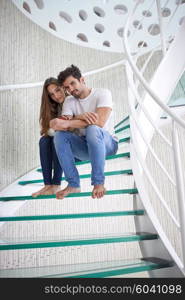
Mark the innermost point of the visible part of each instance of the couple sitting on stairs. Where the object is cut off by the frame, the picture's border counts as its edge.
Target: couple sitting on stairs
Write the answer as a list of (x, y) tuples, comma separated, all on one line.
[(77, 127)]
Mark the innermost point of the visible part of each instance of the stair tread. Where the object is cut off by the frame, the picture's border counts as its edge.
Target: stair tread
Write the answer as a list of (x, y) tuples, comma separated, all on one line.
[(121, 122), (115, 156), (71, 216), (62, 241), (82, 194), (93, 269), (122, 128), (110, 173)]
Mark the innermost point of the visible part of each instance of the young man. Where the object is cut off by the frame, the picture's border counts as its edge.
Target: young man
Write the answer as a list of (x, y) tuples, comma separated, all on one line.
[(89, 111)]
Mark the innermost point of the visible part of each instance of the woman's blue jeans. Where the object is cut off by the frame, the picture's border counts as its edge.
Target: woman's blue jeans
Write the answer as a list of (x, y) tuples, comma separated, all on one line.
[(49, 161), (94, 146)]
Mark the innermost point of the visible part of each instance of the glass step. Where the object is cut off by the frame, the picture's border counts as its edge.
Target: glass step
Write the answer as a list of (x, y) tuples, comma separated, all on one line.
[(122, 128), (62, 241), (125, 154), (111, 173), (121, 122), (95, 269), (73, 216), (84, 194), (127, 139)]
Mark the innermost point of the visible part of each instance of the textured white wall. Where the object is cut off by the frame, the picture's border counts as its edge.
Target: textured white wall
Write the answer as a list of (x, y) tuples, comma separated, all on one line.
[(30, 54)]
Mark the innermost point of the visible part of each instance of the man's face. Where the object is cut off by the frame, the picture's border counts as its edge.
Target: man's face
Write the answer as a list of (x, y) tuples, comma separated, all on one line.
[(74, 86)]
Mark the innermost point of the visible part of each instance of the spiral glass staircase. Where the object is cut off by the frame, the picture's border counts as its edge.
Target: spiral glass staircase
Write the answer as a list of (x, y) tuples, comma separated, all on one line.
[(139, 225)]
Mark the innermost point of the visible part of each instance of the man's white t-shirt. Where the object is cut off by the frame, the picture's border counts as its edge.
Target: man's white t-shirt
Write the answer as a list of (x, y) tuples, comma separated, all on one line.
[(98, 97)]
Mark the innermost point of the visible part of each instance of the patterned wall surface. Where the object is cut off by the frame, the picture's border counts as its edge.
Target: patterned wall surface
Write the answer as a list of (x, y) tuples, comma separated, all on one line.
[(30, 54)]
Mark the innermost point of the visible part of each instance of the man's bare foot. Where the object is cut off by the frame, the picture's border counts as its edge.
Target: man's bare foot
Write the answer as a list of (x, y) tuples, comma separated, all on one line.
[(68, 190), (46, 190), (98, 191)]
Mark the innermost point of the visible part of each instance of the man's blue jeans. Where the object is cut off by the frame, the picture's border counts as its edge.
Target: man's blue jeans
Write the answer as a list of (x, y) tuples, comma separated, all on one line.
[(49, 161), (94, 146)]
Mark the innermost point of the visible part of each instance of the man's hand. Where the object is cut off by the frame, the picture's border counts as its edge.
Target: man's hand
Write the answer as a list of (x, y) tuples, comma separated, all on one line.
[(59, 124), (89, 117)]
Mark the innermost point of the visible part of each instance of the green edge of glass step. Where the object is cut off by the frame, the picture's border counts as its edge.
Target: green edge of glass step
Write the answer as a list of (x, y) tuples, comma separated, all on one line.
[(126, 270), (111, 173), (73, 216), (96, 269), (124, 140), (84, 194), (121, 122), (8, 245), (126, 154), (122, 128)]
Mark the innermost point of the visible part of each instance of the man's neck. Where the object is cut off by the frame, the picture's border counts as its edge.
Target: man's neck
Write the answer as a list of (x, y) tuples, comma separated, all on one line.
[(85, 93)]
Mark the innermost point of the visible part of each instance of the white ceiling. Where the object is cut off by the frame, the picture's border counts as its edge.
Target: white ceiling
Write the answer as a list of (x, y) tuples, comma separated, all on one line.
[(99, 23)]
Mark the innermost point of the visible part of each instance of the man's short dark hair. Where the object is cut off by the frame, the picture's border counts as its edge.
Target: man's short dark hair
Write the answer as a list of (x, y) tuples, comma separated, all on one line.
[(70, 71)]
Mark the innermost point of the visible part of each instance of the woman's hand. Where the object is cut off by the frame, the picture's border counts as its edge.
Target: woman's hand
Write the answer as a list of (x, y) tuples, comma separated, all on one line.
[(59, 124), (65, 117)]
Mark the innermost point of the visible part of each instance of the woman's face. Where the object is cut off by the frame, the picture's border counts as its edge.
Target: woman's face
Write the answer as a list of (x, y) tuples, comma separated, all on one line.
[(56, 93)]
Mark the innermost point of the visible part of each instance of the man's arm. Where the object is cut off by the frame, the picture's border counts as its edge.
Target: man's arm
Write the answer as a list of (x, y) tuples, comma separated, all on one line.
[(81, 121), (98, 118)]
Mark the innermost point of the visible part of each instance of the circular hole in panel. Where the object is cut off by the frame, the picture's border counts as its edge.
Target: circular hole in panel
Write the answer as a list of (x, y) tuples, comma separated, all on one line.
[(99, 11), (154, 29), (137, 24), (147, 13), (120, 9), (65, 16), (39, 3), (82, 37), (166, 12), (120, 32), (26, 7), (170, 39), (142, 44), (180, 2), (52, 26), (99, 28), (83, 15), (106, 43), (182, 20)]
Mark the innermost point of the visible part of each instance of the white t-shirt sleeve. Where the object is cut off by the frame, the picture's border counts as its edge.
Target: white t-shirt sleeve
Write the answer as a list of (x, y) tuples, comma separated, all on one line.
[(104, 98), (67, 108)]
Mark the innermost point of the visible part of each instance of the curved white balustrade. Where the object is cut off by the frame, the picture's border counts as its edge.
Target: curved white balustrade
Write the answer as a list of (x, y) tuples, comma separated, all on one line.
[(144, 122)]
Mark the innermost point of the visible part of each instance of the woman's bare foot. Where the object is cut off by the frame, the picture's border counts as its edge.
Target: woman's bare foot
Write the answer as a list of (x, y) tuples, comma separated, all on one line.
[(46, 190), (56, 188), (98, 191), (68, 190)]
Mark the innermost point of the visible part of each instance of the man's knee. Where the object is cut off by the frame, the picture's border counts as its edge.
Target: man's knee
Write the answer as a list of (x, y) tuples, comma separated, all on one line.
[(93, 128), (93, 132), (60, 137)]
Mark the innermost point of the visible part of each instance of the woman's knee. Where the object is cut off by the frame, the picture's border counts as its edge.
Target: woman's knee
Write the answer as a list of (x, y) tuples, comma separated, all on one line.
[(45, 141)]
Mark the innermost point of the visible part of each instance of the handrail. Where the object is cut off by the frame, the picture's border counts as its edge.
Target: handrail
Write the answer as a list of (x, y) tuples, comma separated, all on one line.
[(148, 117), (141, 79), (180, 184), (151, 150), (29, 85), (138, 132), (147, 172)]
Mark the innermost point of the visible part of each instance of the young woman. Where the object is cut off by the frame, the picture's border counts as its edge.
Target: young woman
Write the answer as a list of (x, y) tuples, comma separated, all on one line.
[(52, 100)]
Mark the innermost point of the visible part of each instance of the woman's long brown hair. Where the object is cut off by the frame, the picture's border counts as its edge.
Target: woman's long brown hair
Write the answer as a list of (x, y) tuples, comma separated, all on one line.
[(49, 109)]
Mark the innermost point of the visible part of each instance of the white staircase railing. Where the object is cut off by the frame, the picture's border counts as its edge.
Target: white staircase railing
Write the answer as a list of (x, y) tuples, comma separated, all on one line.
[(156, 152)]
